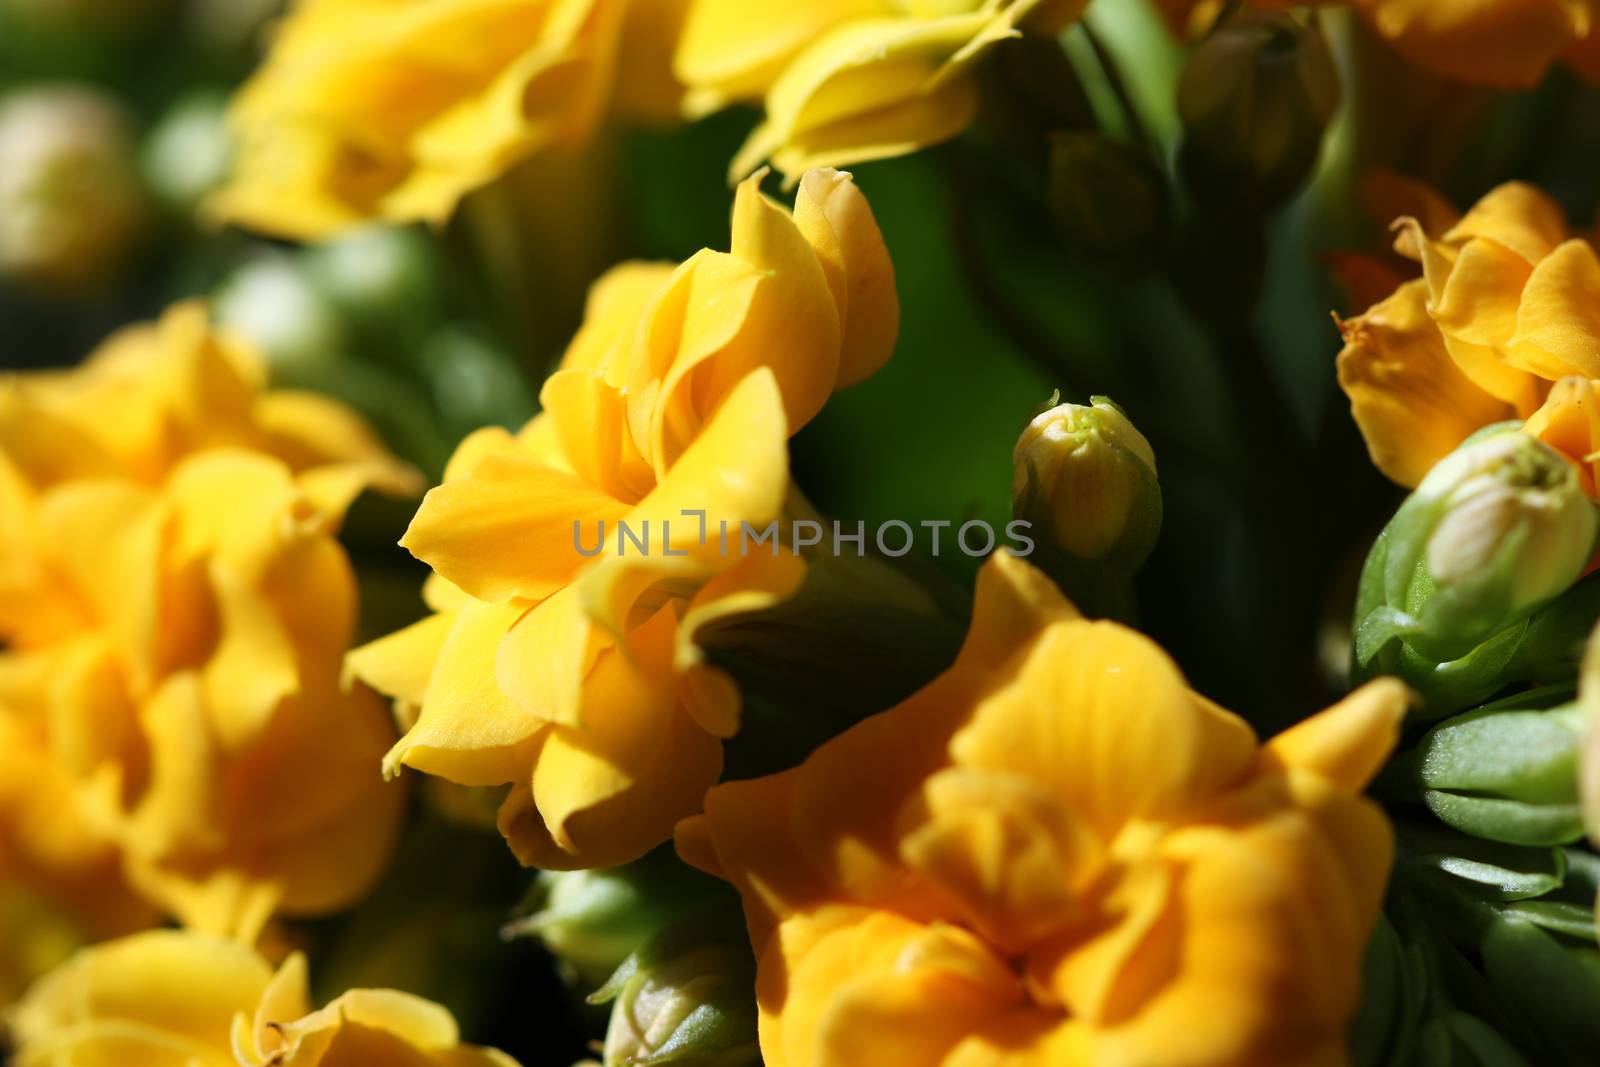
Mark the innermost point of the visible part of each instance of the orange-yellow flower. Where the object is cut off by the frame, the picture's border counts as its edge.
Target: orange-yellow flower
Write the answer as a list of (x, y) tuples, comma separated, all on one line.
[(1506, 44), (376, 109), (1057, 853), (174, 999), (1503, 324), (174, 608), (573, 674), (845, 81)]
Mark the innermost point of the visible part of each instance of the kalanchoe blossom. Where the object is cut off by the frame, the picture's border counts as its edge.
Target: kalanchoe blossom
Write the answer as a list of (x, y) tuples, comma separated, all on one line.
[(846, 81), (1507, 44), (371, 109), (1501, 325), (174, 999), (174, 609), (1057, 853), (575, 676)]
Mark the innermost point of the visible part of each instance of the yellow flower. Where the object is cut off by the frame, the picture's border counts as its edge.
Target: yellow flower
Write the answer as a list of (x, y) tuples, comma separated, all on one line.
[(174, 608), (61, 881), (1057, 853), (1506, 44), (1503, 324), (845, 81), (561, 658), (378, 109), (174, 999)]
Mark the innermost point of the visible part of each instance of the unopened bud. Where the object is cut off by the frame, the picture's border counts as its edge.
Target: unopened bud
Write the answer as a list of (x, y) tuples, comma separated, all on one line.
[(686, 998), (1496, 530), (70, 201), (1254, 100), (592, 921), (383, 280), (187, 154), (1108, 199), (1508, 772), (1085, 477), (272, 303)]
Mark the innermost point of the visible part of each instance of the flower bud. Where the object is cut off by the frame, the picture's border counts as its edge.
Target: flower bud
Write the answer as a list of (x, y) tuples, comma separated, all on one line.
[(272, 303), (1507, 772), (1086, 479), (1254, 101), (593, 920), (188, 152), (1496, 530), (1109, 200), (687, 998), (385, 283), (70, 202)]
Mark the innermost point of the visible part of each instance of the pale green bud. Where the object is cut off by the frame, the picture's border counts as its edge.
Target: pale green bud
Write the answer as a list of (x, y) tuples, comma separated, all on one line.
[(686, 998), (384, 281), (188, 153), (592, 921), (272, 303), (71, 206), (1496, 530)]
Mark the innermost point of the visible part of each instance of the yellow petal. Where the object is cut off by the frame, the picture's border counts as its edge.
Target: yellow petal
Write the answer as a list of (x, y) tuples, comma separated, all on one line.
[(1413, 404), (1507, 44), (1558, 323), (468, 730), (1349, 742), (735, 471), (507, 529), (838, 223), (1067, 721), (401, 664), (614, 788), (184, 987), (1516, 215), (732, 51), (1569, 422), (612, 313), (545, 656)]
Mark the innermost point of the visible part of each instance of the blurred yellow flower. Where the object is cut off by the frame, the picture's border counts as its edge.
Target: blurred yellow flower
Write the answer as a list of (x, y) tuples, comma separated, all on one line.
[(1503, 324), (562, 658), (174, 608), (174, 999), (1507, 44), (395, 109), (1057, 853), (845, 81)]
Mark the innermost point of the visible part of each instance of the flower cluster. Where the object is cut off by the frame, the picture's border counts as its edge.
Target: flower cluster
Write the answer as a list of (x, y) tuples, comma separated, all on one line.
[(172, 998), (1044, 861), (700, 785), (578, 680), (174, 608), (1500, 326)]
